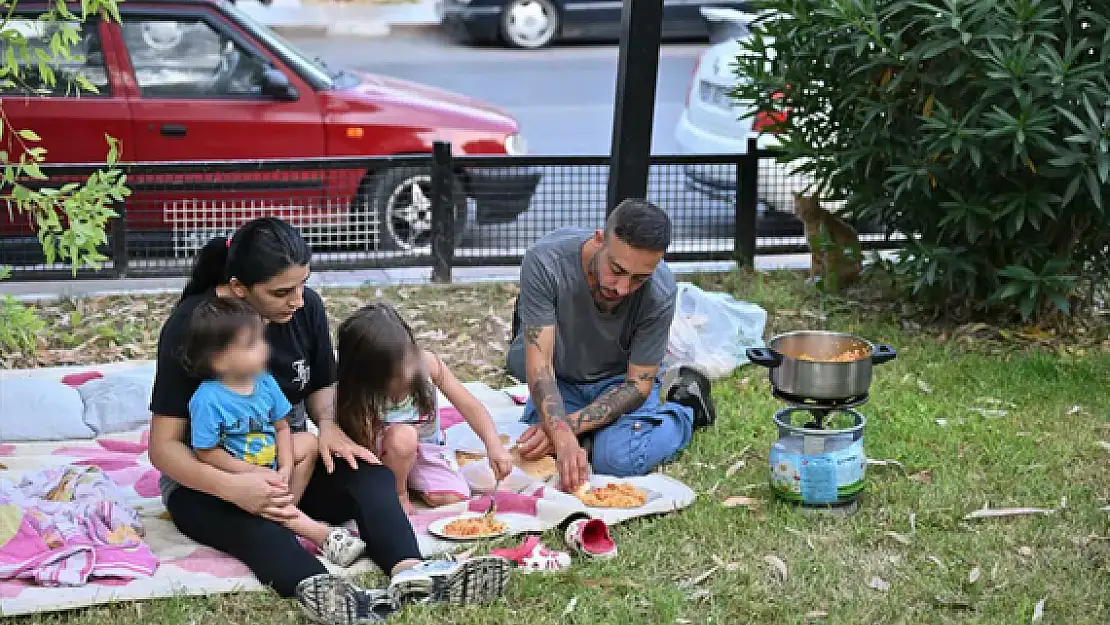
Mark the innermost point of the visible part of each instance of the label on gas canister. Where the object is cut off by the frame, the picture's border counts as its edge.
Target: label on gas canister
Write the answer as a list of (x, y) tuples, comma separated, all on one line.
[(818, 477)]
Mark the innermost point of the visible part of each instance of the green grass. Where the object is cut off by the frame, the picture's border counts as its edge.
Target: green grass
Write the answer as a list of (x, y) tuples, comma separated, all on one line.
[(1042, 451)]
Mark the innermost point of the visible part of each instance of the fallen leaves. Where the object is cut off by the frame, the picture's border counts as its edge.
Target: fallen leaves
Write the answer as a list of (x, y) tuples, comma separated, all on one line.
[(573, 603), (697, 579), (925, 476), (1038, 610), (879, 584), (466, 325), (608, 582), (996, 513), (778, 565)]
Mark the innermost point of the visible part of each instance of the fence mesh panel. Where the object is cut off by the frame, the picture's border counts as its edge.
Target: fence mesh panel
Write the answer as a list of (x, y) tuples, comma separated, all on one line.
[(378, 212)]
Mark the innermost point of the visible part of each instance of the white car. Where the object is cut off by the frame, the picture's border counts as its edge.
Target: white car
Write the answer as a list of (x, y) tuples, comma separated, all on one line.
[(715, 123)]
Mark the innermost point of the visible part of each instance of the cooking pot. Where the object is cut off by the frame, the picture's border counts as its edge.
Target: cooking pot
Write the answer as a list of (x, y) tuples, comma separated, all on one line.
[(806, 364)]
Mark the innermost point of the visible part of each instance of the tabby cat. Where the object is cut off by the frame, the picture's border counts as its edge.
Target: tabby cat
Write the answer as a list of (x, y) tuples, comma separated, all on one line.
[(836, 255)]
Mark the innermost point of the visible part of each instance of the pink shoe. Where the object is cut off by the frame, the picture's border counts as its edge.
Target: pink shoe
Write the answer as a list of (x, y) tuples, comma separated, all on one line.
[(590, 537), (532, 556)]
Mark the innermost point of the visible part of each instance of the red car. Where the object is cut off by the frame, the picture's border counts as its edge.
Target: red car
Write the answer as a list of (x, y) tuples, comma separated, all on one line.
[(198, 80)]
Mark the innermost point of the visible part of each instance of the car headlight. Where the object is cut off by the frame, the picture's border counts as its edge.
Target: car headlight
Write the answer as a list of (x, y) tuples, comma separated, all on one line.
[(515, 145)]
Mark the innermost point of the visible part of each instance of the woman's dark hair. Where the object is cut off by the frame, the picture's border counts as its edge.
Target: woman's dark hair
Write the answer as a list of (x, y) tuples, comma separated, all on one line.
[(372, 344), (213, 327), (259, 250)]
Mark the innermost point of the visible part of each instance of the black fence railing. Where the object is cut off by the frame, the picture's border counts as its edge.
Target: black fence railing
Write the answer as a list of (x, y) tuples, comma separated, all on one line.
[(433, 210)]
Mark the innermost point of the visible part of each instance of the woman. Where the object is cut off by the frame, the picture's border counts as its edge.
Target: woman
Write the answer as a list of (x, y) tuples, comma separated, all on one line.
[(266, 264)]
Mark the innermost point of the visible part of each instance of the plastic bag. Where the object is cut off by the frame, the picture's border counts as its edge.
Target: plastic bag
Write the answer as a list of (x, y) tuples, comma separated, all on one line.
[(711, 331)]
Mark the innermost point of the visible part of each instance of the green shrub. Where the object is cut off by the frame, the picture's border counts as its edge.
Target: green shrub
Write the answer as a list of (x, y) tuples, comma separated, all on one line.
[(980, 127)]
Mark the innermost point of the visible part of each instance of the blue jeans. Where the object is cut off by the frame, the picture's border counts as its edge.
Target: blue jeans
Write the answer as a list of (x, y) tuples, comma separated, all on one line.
[(635, 443)]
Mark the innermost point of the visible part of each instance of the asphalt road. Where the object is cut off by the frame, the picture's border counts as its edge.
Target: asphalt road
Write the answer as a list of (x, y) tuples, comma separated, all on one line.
[(562, 96)]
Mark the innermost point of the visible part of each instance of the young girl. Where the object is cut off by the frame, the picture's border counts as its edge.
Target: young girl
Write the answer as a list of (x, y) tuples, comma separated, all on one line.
[(386, 401), (237, 415)]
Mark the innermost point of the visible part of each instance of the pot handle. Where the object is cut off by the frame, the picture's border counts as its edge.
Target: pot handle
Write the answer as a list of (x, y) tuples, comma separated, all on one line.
[(883, 353), (764, 357)]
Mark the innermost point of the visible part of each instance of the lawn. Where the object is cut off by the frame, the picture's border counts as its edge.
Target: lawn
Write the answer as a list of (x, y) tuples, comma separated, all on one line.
[(972, 416)]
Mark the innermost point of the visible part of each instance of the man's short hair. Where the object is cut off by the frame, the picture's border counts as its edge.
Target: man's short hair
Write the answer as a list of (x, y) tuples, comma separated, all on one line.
[(640, 224)]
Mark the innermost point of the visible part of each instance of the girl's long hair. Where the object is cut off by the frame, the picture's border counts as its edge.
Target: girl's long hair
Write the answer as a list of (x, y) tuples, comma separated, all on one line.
[(259, 250), (373, 344)]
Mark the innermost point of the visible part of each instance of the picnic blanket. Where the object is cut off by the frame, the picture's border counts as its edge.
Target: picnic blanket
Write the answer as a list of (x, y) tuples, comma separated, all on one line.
[(187, 568)]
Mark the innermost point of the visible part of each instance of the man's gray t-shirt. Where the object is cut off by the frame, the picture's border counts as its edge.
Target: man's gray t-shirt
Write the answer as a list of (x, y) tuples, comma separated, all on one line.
[(591, 345)]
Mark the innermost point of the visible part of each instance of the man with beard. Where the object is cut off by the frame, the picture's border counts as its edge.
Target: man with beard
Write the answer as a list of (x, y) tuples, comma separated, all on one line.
[(589, 333)]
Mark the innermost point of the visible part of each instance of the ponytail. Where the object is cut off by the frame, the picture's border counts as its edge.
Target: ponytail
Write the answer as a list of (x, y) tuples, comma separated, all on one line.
[(259, 250), (209, 268)]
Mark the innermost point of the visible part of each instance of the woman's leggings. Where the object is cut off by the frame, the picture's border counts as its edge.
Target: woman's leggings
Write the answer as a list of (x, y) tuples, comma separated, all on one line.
[(367, 495)]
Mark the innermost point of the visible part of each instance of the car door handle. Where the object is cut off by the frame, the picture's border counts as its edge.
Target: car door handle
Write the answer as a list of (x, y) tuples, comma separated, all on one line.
[(174, 130)]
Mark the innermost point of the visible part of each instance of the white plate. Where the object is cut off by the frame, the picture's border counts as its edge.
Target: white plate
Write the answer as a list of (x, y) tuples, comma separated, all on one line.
[(461, 438), (436, 528)]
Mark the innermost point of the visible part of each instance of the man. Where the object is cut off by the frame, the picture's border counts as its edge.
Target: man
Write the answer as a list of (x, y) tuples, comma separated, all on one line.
[(590, 330)]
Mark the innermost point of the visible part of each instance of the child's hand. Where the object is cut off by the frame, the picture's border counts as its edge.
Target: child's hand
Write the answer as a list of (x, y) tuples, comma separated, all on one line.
[(500, 461)]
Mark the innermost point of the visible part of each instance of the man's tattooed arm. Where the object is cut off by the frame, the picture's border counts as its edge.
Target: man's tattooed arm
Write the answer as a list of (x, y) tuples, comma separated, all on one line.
[(618, 401), (539, 357)]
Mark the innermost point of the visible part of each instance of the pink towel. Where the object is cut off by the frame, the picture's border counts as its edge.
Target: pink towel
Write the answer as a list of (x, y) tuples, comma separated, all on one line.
[(72, 526)]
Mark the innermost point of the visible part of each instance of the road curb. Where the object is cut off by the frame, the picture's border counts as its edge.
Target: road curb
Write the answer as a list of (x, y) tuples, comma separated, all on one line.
[(414, 29), (359, 29)]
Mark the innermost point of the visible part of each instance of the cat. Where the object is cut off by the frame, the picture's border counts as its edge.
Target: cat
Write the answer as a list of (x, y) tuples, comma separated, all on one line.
[(836, 256)]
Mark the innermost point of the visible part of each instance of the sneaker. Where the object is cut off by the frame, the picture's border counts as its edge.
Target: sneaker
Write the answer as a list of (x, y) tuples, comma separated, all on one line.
[(342, 548), (590, 537), (332, 600), (476, 580), (532, 556), (689, 387)]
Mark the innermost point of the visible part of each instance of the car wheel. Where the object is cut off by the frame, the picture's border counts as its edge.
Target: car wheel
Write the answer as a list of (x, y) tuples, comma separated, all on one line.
[(400, 201), (529, 23)]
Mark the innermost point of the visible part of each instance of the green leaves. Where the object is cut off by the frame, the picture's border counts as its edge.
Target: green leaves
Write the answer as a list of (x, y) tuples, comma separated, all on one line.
[(981, 128), (71, 219)]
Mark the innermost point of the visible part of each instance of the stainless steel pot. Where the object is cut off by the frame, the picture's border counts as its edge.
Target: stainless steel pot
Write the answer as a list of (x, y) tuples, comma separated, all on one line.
[(818, 377)]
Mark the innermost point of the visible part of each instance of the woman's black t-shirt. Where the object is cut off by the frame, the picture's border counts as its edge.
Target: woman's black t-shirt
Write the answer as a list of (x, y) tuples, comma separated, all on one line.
[(301, 360)]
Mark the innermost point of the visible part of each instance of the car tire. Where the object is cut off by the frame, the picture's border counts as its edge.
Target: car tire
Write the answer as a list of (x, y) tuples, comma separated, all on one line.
[(399, 202), (538, 27)]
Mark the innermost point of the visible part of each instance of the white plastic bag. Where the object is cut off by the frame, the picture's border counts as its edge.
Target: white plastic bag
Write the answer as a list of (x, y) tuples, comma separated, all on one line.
[(711, 331)]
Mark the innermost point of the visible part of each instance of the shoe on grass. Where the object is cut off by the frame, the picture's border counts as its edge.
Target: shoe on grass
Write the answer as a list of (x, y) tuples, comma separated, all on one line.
[(479, 580), (329, 599), (532, 556), (590, 537)]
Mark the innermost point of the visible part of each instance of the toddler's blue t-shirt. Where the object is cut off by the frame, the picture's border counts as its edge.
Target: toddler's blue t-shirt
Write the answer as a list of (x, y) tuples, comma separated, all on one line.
[(243, 425)]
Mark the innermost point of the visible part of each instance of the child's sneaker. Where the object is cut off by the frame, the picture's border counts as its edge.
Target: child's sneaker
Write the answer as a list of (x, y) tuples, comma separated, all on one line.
[(477, 580), (331, 600), (590, 537), (532, 556), (342, 548)]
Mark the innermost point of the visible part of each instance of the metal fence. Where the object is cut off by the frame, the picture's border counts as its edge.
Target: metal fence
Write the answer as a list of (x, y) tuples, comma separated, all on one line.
[(431, 210)]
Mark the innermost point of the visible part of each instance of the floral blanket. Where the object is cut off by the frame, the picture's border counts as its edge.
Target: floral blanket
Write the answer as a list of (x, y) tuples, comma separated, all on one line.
[(186, 568)]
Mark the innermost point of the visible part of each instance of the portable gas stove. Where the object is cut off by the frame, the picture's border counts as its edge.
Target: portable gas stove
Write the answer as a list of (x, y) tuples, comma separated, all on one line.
[(818, 460)]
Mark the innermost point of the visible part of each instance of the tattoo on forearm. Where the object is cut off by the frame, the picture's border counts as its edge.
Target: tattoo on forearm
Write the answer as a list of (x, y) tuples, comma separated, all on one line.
[(532, 335), (619, 401), (547, 400)]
